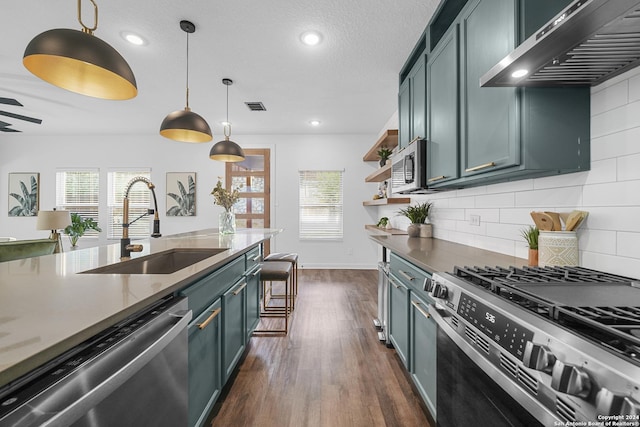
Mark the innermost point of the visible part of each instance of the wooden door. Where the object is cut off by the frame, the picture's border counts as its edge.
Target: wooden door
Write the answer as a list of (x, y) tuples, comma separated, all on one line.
[(252, 178)]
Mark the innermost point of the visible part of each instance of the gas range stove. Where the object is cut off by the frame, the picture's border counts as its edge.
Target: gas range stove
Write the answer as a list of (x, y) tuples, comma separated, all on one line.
[(568, 337)]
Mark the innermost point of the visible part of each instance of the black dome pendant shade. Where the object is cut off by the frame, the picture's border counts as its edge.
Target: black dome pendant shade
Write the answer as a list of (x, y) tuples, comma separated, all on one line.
[(80, 62), (185, 125), (227, 150)]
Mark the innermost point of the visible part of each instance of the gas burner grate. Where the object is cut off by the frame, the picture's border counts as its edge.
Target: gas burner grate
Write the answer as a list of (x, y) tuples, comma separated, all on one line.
[(617, 328)]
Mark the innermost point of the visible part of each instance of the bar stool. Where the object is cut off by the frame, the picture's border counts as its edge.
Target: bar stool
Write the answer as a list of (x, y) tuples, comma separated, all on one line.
[(293, 259), (276, 272)]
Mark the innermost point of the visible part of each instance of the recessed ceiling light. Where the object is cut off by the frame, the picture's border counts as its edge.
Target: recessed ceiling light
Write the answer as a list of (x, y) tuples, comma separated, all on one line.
[(133, 38), (519, 73), (311, 38), (314, 122)]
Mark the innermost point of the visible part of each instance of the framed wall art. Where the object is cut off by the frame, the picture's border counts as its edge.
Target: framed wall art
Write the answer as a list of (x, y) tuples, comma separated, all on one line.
[(24, 193), (181, 193)]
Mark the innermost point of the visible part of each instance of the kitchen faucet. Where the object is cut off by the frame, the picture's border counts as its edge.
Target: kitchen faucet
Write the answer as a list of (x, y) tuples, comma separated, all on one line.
[(125, 243)]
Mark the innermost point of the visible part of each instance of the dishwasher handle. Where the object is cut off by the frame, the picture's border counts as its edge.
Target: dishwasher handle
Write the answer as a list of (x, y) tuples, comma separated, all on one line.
[(93, 397)]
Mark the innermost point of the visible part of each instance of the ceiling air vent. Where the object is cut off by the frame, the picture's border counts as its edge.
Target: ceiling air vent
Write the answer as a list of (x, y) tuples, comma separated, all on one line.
[(255, 106)]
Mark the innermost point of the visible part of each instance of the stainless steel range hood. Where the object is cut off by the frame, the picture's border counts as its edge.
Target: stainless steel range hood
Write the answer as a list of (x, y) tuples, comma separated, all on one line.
[(589, 42)]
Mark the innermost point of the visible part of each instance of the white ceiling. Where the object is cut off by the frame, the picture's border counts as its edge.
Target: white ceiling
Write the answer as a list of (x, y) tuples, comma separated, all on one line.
[(349, 82)]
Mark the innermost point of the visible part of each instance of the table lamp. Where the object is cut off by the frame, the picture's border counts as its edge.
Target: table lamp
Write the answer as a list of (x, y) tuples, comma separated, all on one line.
[(54, 220)]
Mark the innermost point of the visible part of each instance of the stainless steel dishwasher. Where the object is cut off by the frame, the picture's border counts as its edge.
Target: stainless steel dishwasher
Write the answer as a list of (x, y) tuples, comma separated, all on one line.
[(132, 374)]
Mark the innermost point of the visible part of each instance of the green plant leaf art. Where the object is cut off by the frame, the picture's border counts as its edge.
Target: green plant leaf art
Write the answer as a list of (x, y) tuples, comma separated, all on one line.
[(23, 198), (180, 201)]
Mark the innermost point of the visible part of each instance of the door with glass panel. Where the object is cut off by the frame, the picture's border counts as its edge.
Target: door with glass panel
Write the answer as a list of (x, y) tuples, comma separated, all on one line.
[(251, 178)]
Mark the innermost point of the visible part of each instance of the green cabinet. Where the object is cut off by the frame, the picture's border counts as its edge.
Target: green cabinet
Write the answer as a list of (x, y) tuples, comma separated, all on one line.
[(412, 99), (234, 330), (399, 318), (253, 300), (205, 379), (423, 341), (442, 75)]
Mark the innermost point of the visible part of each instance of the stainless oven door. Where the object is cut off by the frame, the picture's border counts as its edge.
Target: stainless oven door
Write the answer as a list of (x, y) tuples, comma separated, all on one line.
[(466, 395)]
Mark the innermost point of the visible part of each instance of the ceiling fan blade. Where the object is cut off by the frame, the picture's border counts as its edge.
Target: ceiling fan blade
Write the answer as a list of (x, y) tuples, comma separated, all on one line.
[(21, 117), (10, 101)]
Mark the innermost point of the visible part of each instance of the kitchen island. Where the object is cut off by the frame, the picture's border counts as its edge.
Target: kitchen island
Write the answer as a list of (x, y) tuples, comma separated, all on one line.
[(47, 307)]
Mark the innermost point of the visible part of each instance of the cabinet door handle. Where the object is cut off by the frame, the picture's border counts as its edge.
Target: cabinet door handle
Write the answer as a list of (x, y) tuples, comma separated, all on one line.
[(415, 139), (237, 291), (436, 178), (256, 258), (417, 306), (406, 276), (479, 167), (214, 314), (255, 273)]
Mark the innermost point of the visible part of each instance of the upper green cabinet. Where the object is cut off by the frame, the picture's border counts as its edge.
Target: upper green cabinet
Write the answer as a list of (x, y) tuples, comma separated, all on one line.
[(486, 135), (412, 101), (442, 75), (488, 115)]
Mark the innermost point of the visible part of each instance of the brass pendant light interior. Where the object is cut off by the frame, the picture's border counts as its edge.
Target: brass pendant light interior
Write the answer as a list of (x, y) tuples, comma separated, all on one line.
[(80, 62), (227, 150), (185, 125)]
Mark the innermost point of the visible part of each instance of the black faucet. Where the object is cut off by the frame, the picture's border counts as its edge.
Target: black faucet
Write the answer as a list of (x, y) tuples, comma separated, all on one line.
[(125, 243)]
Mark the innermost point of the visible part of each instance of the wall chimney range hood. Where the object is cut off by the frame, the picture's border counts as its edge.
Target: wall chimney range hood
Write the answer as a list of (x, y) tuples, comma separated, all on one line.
[(589, 42)]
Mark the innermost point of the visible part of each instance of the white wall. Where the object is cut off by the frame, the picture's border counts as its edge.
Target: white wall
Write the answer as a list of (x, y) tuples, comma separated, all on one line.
[(290, 153), (610, 192)]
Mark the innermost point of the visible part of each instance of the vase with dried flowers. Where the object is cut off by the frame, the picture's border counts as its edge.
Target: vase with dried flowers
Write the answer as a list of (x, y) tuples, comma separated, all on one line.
[(226, 199)]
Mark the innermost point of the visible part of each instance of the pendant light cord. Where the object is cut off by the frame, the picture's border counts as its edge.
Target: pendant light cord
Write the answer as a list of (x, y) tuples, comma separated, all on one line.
[(228, 125), (187, 108)]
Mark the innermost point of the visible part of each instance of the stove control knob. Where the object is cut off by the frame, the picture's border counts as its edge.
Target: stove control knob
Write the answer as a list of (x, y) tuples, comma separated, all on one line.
[(538, 357), (439, 291), (570, 379), (429, 284), (630, 407)]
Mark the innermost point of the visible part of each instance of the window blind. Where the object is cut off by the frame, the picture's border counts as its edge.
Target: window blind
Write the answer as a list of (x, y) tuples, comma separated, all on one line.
[(78, 191), (321, 205), (139, 202)]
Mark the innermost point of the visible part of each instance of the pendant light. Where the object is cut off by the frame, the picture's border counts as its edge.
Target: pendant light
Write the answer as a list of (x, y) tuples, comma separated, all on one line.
[(227, 150), (185, 125), (80, 62)]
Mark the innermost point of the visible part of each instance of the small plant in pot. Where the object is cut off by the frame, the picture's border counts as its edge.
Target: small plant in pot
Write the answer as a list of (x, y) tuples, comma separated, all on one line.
[(79, 226), (384, 154), (418, 214), (531, 235)]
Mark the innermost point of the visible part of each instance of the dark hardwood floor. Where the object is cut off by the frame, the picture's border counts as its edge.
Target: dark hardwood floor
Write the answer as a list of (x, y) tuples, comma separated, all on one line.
[(330, 370)]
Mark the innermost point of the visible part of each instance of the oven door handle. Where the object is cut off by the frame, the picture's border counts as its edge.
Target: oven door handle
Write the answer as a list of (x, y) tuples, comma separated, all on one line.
[(73, 411)]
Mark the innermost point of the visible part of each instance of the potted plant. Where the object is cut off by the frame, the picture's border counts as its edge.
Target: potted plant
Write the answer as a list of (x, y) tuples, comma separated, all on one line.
[(78, 227), (384, 154), (384, 223), (418, 214), (531, 234)]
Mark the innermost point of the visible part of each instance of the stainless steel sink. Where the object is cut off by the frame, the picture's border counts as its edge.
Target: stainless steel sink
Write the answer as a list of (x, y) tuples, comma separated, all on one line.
[(166, 262)]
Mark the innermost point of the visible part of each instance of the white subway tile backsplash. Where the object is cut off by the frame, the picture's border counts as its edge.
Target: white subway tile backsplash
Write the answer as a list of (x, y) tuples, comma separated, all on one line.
[(566, 180), (447, 213), (628, 168), (486, 215), (612, 121), (512, 186), (517, 216), (463, 202), (563, 196), (616, 219), (622, 143), (629, 245), (601, 171), (613, 97), (634, 88), (465, 227), (501, 200), (506, 231), (598, 241), (472, 191), (613, 264), (623, 193)]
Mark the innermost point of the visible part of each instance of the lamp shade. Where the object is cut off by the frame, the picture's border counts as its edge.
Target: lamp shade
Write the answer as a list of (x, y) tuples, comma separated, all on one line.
[(81, 63), (53, 220), (186, 126), (226, 151)]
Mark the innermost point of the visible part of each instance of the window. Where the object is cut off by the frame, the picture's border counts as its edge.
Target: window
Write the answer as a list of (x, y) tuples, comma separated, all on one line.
[(139, 201), (321, 205), (78, 191)]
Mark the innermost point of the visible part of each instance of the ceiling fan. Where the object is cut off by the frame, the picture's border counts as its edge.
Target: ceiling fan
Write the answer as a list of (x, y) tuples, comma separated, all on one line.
[(5, 126)]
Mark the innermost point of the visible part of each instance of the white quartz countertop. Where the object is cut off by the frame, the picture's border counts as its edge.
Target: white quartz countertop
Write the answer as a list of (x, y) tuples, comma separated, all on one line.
[(46, 307)]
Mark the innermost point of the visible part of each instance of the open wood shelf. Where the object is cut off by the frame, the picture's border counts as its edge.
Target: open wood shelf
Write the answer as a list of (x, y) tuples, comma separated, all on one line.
[(389, 139), (382, 174), (392, 231), (387, 201)]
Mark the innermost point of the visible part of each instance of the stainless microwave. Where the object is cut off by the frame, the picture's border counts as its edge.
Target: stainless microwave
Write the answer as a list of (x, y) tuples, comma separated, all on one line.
[(409, 168)]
